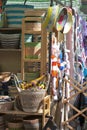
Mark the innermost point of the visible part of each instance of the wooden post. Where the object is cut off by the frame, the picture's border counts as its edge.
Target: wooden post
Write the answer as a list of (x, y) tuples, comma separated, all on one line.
[(70, 47), (0, 6)]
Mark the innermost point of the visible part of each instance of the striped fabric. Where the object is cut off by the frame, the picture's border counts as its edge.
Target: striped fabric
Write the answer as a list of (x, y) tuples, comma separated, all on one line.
[(29, 2), (15, 13), (54, 67)]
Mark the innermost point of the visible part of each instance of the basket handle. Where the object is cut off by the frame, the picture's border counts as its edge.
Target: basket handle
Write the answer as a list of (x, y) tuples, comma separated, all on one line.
[(17, 83)]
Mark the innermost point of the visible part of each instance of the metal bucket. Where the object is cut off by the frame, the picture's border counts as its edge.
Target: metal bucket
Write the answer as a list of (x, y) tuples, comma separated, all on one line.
[(32, 123), (15, 125)]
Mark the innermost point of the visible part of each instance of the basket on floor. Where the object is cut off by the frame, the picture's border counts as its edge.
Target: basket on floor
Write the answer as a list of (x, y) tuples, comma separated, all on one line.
[(32, 123), (15, 125)]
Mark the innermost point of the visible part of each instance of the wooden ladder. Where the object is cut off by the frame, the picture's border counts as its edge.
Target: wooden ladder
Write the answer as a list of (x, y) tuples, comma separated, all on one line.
[(31, 24)]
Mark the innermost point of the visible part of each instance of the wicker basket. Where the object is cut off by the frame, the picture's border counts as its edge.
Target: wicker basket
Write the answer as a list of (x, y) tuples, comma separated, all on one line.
[(4, 106), (30, 100)]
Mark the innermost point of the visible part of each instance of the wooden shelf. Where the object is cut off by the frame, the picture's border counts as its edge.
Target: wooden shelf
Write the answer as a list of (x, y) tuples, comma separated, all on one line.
[(34, 18), (19, 50), (42, 112), (10, 30), (18, 112), (13, 29), (10, 58), (32, 60), (32, 32)]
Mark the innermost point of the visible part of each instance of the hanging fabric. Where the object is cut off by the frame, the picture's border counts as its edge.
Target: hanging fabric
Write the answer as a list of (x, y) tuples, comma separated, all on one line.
[(54, 66)]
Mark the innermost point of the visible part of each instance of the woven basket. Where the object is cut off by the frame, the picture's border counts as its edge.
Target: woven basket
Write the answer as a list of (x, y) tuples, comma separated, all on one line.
[(15, 125), (4, 106), (32, 123), (30, 100), (10, 41)]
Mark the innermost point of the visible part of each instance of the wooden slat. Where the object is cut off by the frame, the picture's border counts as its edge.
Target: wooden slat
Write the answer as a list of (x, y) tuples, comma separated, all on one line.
[(38, 19), (31, 60), (16, 112), (76, 115), (68, 102), (43, 50), (46, 108), (23, 52), (18, 50), (32, 25), (32, 32), (70, 128), (10, 29), (34, 12), (78, 111)]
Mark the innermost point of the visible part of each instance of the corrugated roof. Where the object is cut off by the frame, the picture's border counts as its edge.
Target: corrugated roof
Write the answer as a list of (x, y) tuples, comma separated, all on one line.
[(43, 4)]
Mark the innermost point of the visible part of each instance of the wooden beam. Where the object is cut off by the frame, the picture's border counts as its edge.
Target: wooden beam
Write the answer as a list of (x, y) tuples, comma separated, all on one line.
[(59, 2), (25, 2)]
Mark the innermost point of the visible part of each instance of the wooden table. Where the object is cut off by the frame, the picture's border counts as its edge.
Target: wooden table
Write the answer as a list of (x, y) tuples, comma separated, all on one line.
[(42, 112)]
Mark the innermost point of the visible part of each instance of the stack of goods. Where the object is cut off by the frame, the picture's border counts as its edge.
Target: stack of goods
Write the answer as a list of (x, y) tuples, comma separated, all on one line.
[(10, 41), (15, 13)]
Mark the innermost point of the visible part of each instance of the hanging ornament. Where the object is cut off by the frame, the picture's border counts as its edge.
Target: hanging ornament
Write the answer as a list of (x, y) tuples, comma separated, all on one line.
[(49, 18), (64, 20)]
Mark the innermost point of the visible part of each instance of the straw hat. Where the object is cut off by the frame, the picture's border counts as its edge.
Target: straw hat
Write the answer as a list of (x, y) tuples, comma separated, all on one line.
[(64, 20)]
